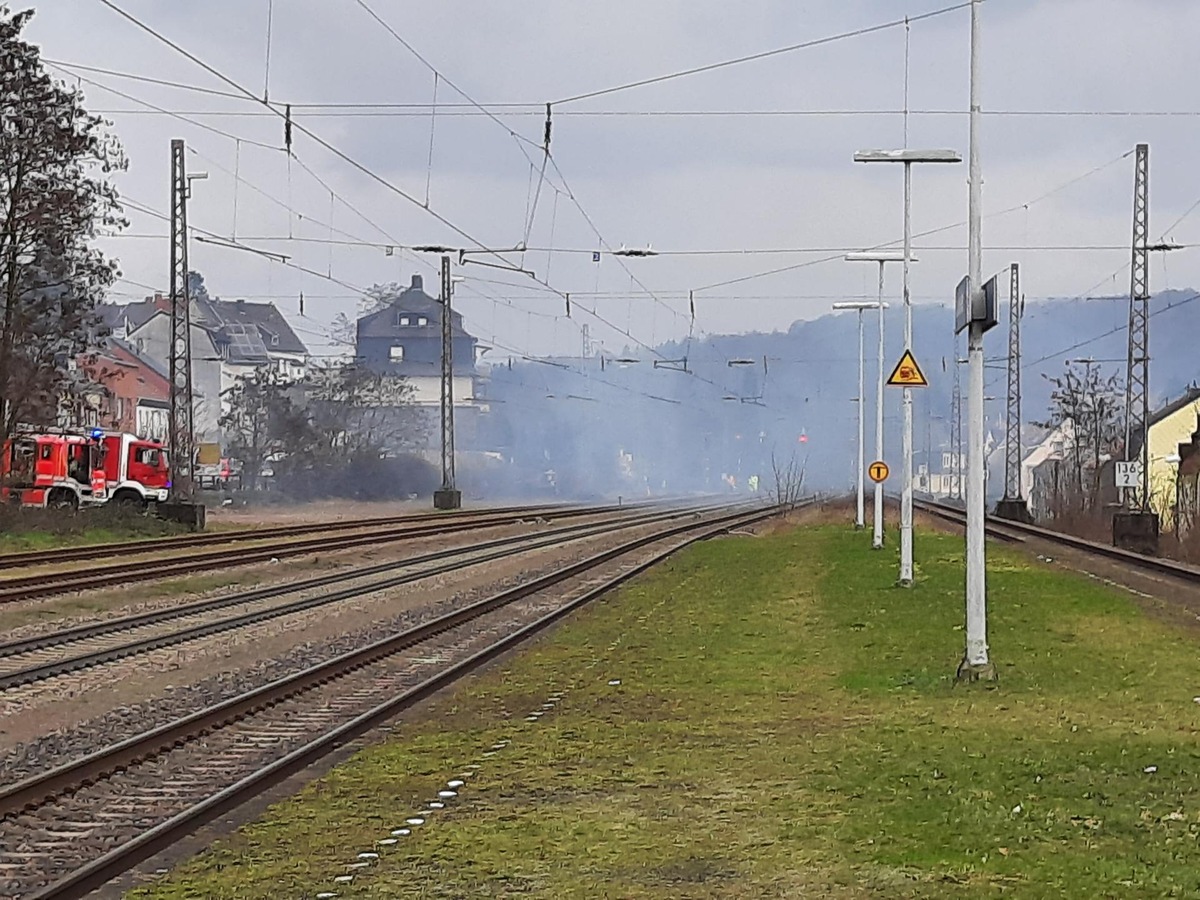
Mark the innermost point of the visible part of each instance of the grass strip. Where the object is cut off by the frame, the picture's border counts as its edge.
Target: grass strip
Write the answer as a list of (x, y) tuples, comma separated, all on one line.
[(786, 725)]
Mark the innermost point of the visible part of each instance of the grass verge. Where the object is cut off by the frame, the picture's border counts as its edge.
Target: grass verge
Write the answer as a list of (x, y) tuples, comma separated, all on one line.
[(785, 725), (48, 529)]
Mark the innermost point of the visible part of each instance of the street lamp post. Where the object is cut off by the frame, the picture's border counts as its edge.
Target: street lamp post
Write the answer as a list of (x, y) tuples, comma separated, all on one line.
[(860, 307), (882, 257), (907, 157)]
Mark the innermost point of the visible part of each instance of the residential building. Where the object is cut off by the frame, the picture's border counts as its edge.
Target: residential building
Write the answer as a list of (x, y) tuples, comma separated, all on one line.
[(1171, 430), (230, 339), (405, 338), (1043, 473), (152, 340), (1187, 495), (137, 391), (252, 336)]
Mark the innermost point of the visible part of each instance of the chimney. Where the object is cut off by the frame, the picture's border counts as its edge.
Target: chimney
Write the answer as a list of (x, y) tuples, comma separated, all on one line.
[(417, 283), (161, 303)]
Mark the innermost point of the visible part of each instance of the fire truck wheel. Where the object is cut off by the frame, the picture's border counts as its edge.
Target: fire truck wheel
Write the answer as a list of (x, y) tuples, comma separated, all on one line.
[(61, 499), (129, 501)]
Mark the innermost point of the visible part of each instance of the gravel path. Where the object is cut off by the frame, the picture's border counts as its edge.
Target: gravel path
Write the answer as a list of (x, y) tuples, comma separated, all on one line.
[(50, 723)]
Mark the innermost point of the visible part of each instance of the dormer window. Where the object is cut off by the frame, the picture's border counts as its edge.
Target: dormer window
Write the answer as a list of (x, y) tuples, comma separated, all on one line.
[(422, 321), (405, 321)]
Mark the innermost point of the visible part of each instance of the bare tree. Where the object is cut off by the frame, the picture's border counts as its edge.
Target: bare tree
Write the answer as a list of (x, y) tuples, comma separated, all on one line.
[(788, 481), (363, 411), (54, 197), (264, 425), (1092, 403)]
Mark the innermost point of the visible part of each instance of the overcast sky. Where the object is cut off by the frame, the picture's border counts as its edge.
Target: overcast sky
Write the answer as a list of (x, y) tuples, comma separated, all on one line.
[(678, 182)]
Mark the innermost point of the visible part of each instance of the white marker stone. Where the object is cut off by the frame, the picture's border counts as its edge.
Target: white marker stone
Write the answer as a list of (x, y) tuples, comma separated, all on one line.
[(415, 820)]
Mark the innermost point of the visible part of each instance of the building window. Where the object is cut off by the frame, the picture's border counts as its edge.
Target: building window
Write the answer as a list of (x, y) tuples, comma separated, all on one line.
[(396, 354), (404, 321), (422, 321)]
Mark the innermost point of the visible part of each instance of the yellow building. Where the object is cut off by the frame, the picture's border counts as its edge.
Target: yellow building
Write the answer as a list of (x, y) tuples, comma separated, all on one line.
[(1172, 426)]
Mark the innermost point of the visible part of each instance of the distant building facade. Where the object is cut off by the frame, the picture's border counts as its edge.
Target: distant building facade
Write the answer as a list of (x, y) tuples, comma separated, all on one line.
[(405, 339), (1172, 433), (230, 339)]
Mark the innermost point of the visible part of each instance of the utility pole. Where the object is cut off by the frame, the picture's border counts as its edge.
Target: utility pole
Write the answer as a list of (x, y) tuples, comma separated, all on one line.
[(859, 521), (449, 497), (976, 664), (181, 433), (1013, 506), (861, 307), (956, 472), (882, 257), (907, 157)]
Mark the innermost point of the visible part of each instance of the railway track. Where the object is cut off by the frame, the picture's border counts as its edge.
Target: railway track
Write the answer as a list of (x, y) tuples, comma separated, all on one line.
[(83, 647), (1019, 532), (44, 584), (67, 831)]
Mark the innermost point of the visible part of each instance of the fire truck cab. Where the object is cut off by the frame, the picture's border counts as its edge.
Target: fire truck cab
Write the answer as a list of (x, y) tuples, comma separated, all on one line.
[(51, 470), (136, 471)]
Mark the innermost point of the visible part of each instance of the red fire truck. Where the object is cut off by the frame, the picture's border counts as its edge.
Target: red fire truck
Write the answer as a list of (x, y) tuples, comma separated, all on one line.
[(136, 472), (51, 470), (80, 469)]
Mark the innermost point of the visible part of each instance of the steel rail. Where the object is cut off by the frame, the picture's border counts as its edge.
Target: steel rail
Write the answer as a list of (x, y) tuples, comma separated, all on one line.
[(118, 860), (29, 587), (1020, 531), (500, 548)]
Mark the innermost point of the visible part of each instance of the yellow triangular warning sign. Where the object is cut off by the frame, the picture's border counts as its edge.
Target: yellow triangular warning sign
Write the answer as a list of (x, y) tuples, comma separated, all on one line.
[(908, 373)]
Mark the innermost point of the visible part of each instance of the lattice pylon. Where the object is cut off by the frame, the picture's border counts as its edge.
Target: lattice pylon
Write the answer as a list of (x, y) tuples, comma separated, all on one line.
[(1012, 439), (182, 426), (1137, 379)]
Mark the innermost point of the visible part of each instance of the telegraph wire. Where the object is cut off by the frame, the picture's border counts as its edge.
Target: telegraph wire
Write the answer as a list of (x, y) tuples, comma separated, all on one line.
[(350, 110), (71, 66), (340, 154), (922, 234), (804, 45), (413, 50), (160, 110)]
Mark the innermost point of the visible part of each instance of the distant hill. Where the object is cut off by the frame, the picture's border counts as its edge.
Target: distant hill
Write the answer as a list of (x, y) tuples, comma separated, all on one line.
[(554, 417)]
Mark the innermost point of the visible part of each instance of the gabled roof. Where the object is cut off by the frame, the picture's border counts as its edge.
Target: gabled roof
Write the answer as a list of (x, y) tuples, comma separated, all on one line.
[(384, 323), (1190, 396), (128, 349), (274, 333), (132, 315)]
